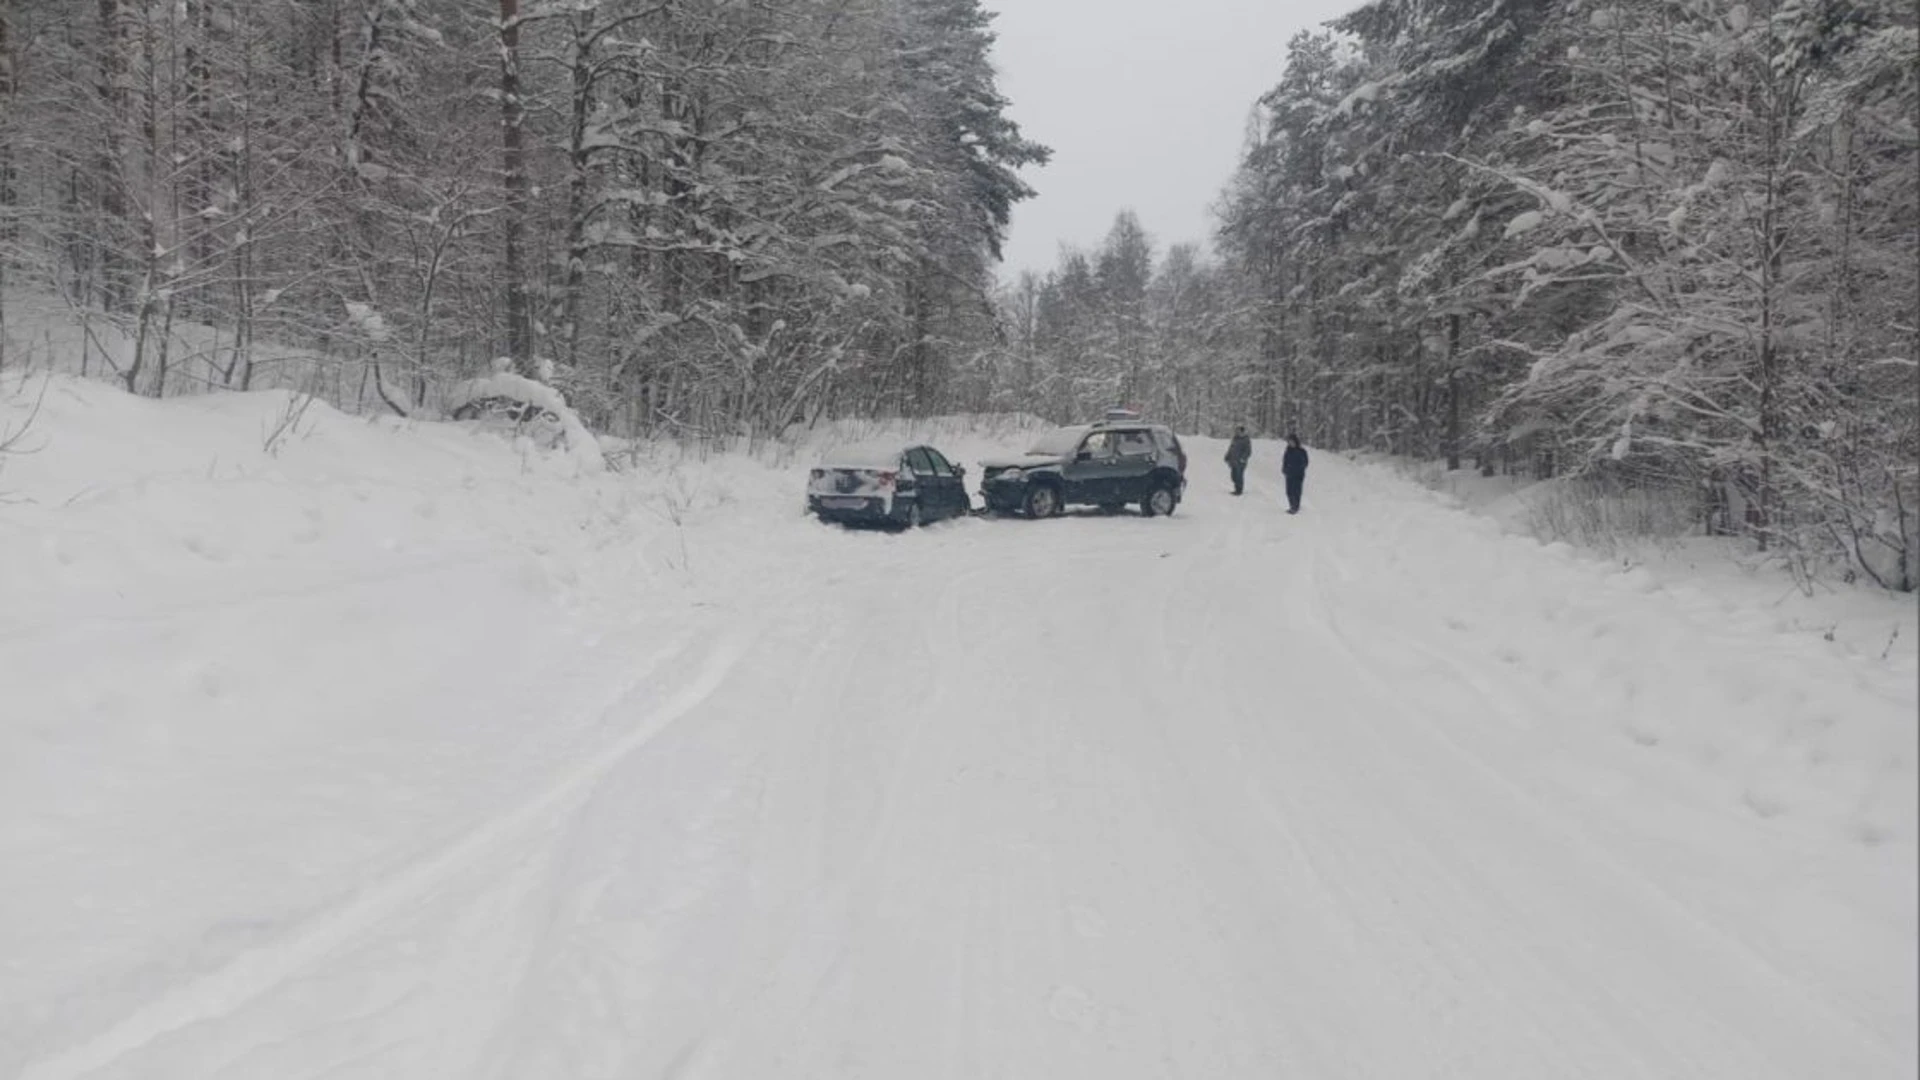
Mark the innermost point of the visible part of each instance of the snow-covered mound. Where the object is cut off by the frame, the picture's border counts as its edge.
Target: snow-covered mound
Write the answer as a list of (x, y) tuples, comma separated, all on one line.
[(576, 440)]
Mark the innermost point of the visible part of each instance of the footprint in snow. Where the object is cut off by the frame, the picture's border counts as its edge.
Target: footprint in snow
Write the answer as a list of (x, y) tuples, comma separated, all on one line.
[(1871, 834), (205, 548), (1764, 803), (1087, 922), (1072, 1005), (315, 527), (1642, 734)]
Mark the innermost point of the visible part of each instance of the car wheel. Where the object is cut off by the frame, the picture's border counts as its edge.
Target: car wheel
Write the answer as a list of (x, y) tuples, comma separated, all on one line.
[(1160, 502), (1042, 501)]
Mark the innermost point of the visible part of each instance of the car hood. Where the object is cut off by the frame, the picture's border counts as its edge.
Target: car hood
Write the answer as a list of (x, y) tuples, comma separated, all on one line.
[(1022, 461)]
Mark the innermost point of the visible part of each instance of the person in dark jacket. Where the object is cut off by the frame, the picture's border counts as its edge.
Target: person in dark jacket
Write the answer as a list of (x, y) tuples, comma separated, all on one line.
[(1238, 451), (1293, 464)]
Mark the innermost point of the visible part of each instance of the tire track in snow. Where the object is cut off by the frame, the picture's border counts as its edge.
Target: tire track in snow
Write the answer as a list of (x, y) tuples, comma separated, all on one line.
[(254, 973), (1552, 824), (804, 956), (69, 623)]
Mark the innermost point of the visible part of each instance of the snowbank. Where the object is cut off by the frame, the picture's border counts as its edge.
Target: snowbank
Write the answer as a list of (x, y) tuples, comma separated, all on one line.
[(45, 334), (218, 609), (1660, 535)]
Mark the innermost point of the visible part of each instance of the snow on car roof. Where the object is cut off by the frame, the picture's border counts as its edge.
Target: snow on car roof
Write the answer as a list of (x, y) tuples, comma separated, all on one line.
[(880, 455)]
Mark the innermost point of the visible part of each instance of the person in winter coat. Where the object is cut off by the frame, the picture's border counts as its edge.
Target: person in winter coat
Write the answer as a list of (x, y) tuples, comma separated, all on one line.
[(1238, 451), (1293, 464)]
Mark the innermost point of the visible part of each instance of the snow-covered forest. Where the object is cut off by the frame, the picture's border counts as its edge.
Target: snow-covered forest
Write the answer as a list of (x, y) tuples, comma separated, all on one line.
[(1654, 244), (701, 213)]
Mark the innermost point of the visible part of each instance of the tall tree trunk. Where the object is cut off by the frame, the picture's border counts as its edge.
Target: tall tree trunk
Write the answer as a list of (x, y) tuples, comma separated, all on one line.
[(513, 120), (9, 234), (1779, 92), (153, 190), (201, 126), (110, 177), (243, 252), (1453, 393), (577, 161)]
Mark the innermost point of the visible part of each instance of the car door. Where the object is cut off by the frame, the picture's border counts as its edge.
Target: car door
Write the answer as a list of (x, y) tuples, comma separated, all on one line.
[(1133, 463), (953, 490), (1089, 475), (926, 485)]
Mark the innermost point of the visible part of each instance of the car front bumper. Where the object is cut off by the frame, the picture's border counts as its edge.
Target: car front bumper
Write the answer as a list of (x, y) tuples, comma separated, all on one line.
[(1003, 495)]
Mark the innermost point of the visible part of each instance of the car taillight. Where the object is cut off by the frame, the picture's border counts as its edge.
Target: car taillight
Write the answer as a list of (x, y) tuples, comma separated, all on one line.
[(886, 479), (819, 474)]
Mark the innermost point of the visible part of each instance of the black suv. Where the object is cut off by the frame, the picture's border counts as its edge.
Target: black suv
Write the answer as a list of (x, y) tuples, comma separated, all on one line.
[(1109, 465)]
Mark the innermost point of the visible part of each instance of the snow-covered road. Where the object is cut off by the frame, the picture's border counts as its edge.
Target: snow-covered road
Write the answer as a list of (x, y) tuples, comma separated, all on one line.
[(1369, 792)]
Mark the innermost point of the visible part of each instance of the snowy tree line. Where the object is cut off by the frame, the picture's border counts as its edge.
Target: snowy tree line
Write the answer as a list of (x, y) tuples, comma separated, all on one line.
[(1666, 244), (692, 215)]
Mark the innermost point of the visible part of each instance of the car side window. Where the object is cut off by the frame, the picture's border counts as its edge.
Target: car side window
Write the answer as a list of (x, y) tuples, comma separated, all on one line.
[(918, 461), (1099, 445), (941, 466), (1136, 444)]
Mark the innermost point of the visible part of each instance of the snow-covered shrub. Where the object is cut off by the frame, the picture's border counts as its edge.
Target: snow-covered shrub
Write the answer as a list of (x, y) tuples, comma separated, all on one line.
[(516, 405), (1604, 514)]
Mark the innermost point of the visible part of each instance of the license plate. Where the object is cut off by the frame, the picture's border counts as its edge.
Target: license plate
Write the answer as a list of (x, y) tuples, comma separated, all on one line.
[(844, 504)]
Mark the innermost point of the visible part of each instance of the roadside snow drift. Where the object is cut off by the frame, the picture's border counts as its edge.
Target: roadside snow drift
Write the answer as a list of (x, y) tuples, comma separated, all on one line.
[(344, 747)]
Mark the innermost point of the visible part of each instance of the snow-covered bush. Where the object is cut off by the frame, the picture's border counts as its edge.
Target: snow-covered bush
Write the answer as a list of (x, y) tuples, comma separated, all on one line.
[(516, 405), (1604, 514)]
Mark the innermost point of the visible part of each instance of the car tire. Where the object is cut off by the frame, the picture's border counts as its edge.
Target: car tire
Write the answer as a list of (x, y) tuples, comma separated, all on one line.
[(1042, 501), (1160, 502)]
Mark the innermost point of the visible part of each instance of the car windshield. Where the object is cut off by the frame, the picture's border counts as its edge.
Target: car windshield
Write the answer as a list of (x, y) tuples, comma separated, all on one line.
[(1059, 442)]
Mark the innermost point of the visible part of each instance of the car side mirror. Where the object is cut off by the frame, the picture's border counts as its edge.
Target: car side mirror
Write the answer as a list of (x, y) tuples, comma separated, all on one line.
[(1084, 455)]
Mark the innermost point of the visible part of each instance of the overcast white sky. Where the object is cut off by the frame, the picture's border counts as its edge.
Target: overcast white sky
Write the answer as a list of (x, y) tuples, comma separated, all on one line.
[(1144, 103)]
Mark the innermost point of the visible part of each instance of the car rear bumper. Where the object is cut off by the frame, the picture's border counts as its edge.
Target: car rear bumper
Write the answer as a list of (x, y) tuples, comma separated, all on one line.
[(863, 508)]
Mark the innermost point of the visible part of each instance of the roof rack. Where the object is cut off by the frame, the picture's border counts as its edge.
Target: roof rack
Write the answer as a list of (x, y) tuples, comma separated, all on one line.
[(1120, 415)]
